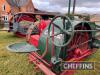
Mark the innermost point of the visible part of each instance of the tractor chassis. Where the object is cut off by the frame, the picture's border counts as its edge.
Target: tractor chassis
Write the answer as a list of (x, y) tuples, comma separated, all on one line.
[(41, 64)]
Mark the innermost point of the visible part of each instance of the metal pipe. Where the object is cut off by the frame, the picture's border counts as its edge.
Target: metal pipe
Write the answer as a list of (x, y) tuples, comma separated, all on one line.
[(35, 54), (46, 49), (86, 30), (74, 4), (75, 46), (69, 7)]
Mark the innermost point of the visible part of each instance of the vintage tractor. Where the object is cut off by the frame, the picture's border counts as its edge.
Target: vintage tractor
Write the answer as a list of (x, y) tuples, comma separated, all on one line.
[(62, 40)]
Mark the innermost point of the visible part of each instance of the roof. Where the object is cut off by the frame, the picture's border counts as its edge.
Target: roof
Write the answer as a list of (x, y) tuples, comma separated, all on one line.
[(40, 13)]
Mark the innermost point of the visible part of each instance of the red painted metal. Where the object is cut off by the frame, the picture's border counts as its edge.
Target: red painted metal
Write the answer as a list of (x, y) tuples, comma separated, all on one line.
[(45, 67), (40, 65), (24, 17), (41, 26), (76, 59), (18, 34), (34, 40), (77, 54), (38, 57), (79, 38)]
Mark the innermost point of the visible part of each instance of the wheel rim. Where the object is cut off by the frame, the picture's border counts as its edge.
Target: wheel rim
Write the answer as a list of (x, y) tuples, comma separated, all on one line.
[(79, 38), (22, 28), (53, 24), (24, 17)]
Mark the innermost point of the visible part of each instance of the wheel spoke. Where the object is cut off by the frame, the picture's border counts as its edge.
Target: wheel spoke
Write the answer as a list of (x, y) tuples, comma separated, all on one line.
[(57, 26), (80, 40), (55, 34), (65, 29)]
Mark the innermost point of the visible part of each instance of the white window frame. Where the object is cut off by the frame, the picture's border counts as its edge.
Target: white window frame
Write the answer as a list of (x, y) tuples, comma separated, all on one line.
[(6, 18), (3, 7)]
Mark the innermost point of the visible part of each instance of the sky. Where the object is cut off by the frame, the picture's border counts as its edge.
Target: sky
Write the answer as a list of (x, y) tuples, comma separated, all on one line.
[(82, 6)]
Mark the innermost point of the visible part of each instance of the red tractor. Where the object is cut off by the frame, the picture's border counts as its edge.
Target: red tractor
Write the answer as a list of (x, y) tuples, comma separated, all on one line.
[(63, 39)]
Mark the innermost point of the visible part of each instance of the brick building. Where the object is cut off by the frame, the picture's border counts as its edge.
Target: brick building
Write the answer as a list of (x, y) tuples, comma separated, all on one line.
[(10, 7), (7, 9), (4, 11), (21, 6)]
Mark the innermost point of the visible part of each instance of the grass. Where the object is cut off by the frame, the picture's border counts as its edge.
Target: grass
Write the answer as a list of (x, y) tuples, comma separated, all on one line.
[(1, 24), (17, 63), (93, 58), (13, 63)]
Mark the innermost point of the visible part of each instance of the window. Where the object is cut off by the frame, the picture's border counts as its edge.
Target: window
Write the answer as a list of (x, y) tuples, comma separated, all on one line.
[(3, 7), (6, 18)]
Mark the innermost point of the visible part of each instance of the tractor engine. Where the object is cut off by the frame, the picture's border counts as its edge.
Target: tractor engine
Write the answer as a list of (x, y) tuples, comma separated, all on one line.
[(64, 40)]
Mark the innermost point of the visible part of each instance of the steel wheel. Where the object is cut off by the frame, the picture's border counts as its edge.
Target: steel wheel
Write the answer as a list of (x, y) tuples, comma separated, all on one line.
[(79, 38), (79, 43), (76, 43), (65, 29)]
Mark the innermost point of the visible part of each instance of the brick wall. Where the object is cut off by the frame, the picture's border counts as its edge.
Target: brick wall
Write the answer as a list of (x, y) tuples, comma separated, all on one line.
[(4, 12)]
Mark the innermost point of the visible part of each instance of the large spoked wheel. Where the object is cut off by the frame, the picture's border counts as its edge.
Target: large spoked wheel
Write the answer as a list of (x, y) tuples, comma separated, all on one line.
[(66, 30), (80, 39), (78, 47), (80, 44)]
